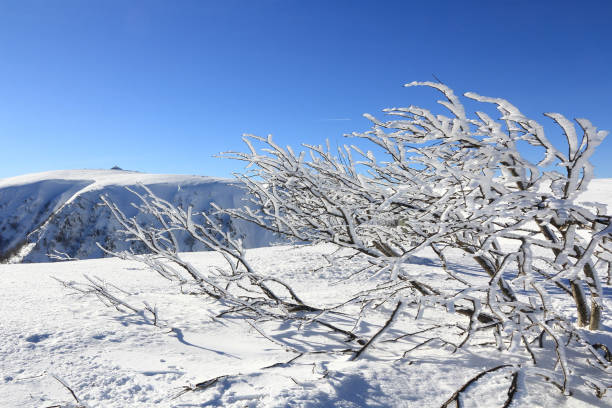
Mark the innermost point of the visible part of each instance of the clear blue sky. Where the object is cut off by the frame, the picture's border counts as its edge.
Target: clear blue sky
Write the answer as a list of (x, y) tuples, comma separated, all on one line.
[(162, 86)]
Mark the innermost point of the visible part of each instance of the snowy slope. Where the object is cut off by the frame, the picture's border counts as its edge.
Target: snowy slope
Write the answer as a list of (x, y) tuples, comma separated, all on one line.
[(115, 359), (61, 211), (599, 191)]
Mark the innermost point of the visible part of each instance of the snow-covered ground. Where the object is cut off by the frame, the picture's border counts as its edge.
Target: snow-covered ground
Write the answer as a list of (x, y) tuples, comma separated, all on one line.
[(53, 342), (114, 359)]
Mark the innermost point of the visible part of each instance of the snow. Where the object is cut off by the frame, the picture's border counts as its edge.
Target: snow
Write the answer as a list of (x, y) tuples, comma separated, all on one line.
[(50, 337), (100, 178), (599, 191), (59, 210), (114, 359)]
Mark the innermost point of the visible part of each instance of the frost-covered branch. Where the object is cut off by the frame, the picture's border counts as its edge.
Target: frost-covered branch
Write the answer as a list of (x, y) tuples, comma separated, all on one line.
[(498, 192), (238, 285), (454, 183)]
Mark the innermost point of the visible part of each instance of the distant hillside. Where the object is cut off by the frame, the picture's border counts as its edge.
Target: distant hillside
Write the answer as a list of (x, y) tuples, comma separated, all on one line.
[(61, 211)]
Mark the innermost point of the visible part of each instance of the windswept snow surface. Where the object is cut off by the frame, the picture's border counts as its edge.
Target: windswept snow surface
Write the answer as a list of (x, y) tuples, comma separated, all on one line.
[(60, 211), (118, 359), (599, 191)]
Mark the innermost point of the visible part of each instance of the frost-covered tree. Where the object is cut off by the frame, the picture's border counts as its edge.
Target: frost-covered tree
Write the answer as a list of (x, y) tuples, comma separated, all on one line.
[(452, 184), (447, 182), (455, 183)]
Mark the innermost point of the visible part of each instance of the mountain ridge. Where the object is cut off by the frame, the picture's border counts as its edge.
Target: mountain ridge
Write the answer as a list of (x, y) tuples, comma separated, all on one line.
[(61, 211)]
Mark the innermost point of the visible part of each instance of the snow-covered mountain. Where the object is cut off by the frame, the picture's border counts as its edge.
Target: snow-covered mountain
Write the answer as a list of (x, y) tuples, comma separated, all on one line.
[(61, 211)]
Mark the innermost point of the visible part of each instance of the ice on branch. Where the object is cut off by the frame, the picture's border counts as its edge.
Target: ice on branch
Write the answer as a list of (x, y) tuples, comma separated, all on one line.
[(448, 184)]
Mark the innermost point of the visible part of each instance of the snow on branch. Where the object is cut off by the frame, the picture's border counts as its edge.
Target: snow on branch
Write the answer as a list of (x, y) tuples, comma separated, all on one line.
[(454, 183), (497, 192)]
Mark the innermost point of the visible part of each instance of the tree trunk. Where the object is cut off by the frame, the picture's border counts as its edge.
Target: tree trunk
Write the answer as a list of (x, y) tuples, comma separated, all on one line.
[(595, 315), (581, 304)]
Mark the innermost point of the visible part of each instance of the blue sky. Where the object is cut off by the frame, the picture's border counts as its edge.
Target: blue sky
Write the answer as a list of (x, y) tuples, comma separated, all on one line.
[(162, 86)]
